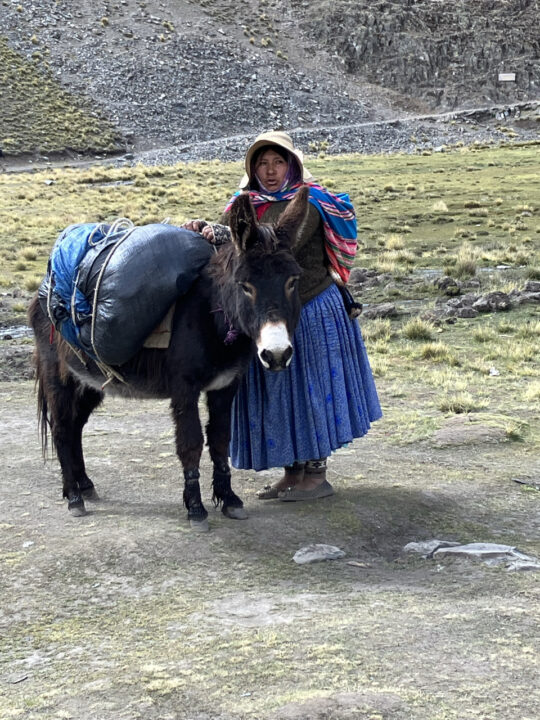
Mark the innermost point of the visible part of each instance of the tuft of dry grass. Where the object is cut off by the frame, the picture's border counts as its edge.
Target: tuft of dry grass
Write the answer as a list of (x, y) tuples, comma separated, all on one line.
[(418, 329), (459, 403), (466, 262), (440, 206), (394, 242), (438, 352), (377, 329)]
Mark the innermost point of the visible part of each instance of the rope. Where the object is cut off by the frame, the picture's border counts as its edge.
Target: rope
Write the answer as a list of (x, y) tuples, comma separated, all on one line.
[(117, 225), (128, 227)]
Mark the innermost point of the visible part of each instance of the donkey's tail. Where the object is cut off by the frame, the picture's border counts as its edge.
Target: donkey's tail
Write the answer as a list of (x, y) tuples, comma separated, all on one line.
[(44, 421), (36, 321)]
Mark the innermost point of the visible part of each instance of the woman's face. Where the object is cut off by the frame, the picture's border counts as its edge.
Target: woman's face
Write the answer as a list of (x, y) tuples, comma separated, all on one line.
[(271, 170)]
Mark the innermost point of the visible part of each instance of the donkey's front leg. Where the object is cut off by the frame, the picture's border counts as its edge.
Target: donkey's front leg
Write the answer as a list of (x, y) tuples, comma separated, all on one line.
[(218, 433), (189, 444)]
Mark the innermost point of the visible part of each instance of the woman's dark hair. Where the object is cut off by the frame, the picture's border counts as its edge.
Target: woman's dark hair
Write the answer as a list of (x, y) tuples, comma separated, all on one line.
[(294, 173)]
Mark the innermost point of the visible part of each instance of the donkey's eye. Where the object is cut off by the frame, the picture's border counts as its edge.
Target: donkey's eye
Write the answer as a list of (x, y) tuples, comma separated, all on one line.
[(248, 289), (291, 283)]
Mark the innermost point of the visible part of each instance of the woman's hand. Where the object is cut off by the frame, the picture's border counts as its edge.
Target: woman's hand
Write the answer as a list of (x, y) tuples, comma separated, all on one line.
[(194, 225), (208, 233), (201, 227)]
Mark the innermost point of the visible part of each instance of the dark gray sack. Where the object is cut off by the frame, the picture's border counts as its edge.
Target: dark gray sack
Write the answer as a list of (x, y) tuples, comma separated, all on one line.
[(131, 279)]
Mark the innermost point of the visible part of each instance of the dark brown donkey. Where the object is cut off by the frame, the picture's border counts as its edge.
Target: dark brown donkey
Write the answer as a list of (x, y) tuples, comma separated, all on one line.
[(245, 300)]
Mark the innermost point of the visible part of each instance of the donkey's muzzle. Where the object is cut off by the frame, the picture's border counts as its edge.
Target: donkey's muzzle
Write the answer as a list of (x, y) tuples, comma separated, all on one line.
[(274, 346), (276, 360)]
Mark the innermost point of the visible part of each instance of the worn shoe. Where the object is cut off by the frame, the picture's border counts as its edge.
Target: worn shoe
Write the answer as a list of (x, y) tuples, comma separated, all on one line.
[(292, 494), (292, 474), (268, 492)]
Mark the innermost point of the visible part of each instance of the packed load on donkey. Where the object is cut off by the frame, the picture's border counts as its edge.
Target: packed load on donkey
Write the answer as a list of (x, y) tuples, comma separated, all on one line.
[(108, 286)]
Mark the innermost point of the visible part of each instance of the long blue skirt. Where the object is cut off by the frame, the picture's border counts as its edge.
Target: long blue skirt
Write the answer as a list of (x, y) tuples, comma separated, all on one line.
[(322, 401)]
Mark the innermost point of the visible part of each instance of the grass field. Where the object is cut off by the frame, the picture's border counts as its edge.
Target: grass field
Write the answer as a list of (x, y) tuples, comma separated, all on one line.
[(472, 212)]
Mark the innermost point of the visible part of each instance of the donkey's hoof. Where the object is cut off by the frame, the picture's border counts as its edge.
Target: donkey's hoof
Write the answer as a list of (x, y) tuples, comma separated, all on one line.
[(90, 494), (76, 507), (235, 513), (200, 526)]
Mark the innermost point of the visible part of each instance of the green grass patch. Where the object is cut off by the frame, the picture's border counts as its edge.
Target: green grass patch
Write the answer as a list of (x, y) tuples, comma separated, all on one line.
[(37, 115)]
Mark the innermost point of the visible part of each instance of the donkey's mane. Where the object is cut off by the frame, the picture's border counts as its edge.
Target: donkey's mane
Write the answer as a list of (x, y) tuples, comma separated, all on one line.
[(221, 262)]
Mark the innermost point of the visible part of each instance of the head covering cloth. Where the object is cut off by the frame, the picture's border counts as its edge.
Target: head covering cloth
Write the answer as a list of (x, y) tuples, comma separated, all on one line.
[(336, 210)]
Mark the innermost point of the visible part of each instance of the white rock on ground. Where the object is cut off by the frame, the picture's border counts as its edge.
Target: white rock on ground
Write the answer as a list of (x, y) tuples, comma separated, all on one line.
[(316, 553), (489, 553)]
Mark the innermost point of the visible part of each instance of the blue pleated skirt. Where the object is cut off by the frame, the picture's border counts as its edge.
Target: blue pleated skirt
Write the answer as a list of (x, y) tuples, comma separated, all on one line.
[(321, 402)]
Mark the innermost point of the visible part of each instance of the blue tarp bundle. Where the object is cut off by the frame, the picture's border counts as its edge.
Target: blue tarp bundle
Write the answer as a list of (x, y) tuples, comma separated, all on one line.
[(106, 291)]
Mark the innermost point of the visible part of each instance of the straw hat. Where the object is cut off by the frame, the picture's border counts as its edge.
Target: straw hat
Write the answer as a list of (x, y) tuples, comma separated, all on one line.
[(281, 139)]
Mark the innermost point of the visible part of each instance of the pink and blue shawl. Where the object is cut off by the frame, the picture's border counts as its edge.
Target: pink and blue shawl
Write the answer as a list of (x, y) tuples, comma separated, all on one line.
[(338, 217)]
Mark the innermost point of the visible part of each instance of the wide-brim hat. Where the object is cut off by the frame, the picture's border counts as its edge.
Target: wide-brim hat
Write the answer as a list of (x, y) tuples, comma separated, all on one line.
[(282, 140)]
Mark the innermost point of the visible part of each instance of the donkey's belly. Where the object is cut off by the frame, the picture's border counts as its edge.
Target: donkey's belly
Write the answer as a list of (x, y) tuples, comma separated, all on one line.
[(126, 384), (224, 378)]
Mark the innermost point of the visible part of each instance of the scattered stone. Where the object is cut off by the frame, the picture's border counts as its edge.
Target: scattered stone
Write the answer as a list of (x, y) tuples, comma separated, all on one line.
[(468, 299), (383, 310), (359, 276), (492, 554), (528, 297), (523, 565), (428, 547), (447, 284), (466, 312), (489, 553), (316, 553), (493, 302)]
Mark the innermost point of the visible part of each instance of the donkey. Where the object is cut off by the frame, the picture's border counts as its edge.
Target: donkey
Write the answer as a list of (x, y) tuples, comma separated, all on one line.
[(245, 300)]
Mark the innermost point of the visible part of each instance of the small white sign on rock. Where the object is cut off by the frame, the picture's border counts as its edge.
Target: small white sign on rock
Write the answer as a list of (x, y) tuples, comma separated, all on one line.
[(316, 553)]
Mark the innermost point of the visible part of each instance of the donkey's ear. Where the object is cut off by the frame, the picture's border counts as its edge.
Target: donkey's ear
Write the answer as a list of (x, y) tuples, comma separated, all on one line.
[(243, 222), (291, 220)]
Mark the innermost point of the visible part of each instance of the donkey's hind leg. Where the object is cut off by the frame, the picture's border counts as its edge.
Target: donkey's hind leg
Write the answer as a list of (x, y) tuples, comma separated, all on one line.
[(218, 433), (87, 400), (69, 411), (64, 405)]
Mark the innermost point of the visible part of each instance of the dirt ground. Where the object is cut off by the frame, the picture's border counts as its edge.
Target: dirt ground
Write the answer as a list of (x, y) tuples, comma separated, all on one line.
[(127, 613)]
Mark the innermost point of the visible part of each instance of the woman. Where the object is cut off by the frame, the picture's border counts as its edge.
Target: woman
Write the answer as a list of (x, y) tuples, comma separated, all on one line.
[(327, 396)]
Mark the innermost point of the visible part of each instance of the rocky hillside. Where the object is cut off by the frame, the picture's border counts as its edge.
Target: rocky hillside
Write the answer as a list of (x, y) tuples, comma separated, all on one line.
[(142, 75), (441, 54)]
